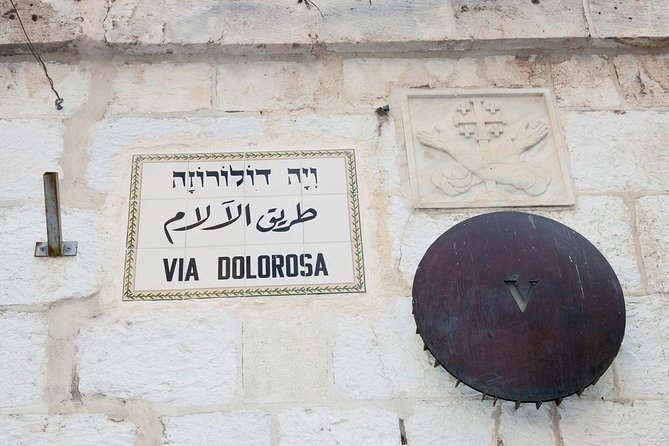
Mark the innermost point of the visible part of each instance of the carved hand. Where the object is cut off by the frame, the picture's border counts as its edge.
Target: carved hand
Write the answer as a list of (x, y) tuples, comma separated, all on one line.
[(529, 134), (437, 140)]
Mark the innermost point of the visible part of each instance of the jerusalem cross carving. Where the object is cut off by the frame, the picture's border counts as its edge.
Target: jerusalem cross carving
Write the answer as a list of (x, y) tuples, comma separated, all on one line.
[(487, 148)]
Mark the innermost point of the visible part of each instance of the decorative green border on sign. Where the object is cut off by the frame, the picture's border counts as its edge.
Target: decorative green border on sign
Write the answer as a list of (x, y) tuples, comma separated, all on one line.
[(358, 285)]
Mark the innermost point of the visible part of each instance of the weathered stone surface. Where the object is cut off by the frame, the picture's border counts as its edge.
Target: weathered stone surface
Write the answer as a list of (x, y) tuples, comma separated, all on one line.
[(363, 426), (653, 225), (359, 21), (642, 18), (618, 151), (48, 22), (643, 78), (31, 280), (71, 430), (27, 92), (515, 71), (199, 22), (22, 360), (28, 148), (162, 88), (112, 137), (244, 427), (518, 19), (643, 366), (184, 356), (525, 426), (366, 364), (280, 352), (372, 81), (584, 81), (466, 422), (271, 85), (602, 220), (594, 423)]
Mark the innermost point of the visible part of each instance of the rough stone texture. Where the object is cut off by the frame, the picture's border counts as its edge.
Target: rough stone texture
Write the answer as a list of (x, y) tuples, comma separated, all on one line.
[(280, 352), (515, 71), (653, 224), (48, 22), (26, 92), (177, 356), (162, 88), (199, 22), (71, 430), (22, 360), (584, 81), (643, 78), (594, 423), (621, 152), (643, 365), (371, 81), (359, 21), (248, 428), (466, 422), (28, 148), (366, 352), (363, 426), (525, 426), (516, 19), (642, 18), (602, 220), (29, 280), (271, 85)]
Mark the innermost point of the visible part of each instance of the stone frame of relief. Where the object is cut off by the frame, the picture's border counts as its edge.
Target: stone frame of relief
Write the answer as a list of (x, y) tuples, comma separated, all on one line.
[(485, 148), (270, 223)]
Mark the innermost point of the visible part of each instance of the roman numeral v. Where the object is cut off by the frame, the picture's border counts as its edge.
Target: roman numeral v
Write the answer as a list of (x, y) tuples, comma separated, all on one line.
[(521, 300)]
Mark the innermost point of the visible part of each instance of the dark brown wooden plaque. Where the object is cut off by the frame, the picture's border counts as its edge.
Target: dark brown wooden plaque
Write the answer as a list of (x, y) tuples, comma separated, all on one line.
[(519, 307)]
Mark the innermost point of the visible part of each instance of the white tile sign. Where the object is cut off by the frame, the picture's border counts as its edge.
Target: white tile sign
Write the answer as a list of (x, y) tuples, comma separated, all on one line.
[(243, 224)]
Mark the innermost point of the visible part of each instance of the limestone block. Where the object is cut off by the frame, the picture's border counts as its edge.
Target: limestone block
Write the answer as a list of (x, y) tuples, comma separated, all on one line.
[(518, 19), (360, 21), (183, 356), (643, 78), (643, 366), (618, 151), (594, 423), (29, 280), (71, 430), (244, 427), (112, 137), (370, 82), (602, 220), (28, 148), (642, 18), (273, 85), (27, 93), (284, 358), (209, 21), (516, 72), (22, 360), (584, 81), (465, 422), (48, 22), (162, 88), (366, 358), (362, 426), (653, 225), (525, 426)]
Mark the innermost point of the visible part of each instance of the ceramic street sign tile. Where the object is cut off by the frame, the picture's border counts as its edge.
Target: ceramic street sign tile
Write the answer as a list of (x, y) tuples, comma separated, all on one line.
[(485, 148), (243, 224)]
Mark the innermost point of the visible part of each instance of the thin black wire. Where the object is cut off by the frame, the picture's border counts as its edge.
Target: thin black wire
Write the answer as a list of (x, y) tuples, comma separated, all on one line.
[(33, 50)]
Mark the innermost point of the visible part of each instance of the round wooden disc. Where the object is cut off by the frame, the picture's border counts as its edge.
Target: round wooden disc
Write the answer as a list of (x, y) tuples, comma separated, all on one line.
[(519, 307)]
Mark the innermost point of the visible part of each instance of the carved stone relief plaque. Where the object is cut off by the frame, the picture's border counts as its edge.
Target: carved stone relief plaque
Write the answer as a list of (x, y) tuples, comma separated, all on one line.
[(485, 148)]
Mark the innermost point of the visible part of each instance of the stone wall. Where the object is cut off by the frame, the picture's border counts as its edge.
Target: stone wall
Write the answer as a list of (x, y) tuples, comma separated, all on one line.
[(79, 366)]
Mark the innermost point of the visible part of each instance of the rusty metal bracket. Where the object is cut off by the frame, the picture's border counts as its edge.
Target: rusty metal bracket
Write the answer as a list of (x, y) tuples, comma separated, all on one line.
[(54, 246)]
